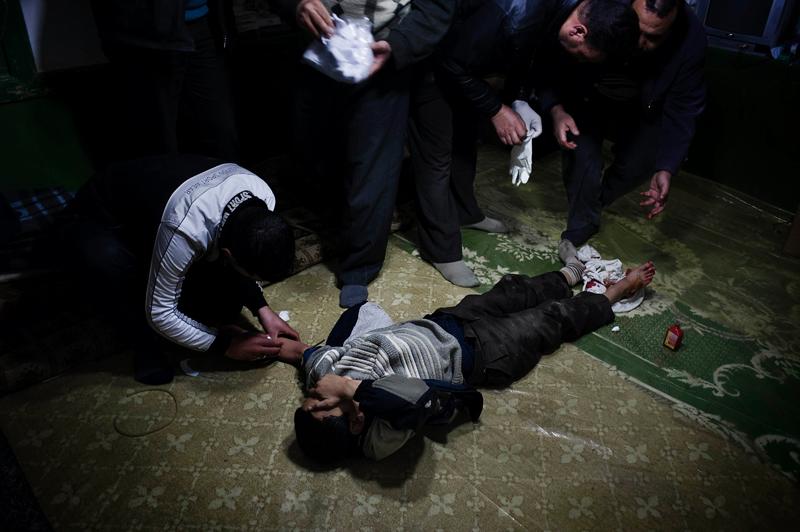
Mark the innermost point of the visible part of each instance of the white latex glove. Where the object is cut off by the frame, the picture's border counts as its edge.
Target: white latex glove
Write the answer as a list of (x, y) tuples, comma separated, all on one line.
[(531, 118), (521, 163)]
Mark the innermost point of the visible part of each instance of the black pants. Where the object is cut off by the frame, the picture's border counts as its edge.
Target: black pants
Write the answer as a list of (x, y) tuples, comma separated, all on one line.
[(175, 101), (442, 142), (520, 319), (589, 188), (350, 141)]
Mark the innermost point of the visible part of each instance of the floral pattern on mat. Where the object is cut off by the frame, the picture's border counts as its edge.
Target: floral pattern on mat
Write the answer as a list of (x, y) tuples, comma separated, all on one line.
[(720, 275)]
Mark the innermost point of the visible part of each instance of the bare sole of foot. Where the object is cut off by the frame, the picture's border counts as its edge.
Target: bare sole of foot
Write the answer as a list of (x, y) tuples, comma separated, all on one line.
[(634, 280)]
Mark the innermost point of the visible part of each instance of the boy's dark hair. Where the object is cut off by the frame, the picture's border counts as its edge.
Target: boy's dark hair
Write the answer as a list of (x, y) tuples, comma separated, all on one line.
[(327, 440), (260, 241), (661, 7), (613, 27)]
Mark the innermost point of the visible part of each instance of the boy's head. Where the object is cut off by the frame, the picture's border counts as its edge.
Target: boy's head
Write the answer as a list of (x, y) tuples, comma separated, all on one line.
[(597, 30), (258, 242), (327, 435)]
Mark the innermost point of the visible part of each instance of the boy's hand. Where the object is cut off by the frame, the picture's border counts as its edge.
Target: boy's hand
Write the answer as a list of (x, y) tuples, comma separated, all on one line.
[(332, 391), (291, 351)]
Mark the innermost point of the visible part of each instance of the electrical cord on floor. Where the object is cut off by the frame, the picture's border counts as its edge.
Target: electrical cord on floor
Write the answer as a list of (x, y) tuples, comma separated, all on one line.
[(152, 431)]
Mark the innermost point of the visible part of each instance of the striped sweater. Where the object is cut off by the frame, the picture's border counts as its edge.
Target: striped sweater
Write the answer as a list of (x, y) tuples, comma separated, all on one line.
[(418, 348)]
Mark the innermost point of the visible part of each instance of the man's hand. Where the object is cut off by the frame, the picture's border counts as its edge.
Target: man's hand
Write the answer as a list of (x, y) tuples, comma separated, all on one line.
[(250, 346), (382, 51), (274, 326), (313, 16), (509, 126), (563, 123), (657, 193), (530, 118), (332, 391)]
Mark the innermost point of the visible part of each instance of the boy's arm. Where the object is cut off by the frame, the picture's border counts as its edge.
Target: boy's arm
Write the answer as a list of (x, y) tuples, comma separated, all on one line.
[(291, 351), (404, 402)]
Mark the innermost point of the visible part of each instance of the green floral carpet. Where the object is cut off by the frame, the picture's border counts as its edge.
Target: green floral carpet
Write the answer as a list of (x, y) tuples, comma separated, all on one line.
[(720, 274)]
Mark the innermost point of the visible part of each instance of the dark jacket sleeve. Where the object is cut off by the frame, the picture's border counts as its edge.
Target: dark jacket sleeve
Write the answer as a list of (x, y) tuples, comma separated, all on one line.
[(415, 36), (683, 102), (247, 291), (469, 43), (409, 403), (404, 402), (286, 9), (252, 295)]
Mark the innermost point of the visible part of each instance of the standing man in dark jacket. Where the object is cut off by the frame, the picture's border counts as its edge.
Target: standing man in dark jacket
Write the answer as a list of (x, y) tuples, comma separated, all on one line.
[(168, 63), (354, 135), (492, 37), (648, 106)]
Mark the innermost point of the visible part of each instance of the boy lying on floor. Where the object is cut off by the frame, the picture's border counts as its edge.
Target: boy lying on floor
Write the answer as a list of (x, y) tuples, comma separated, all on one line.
[(375, 384)]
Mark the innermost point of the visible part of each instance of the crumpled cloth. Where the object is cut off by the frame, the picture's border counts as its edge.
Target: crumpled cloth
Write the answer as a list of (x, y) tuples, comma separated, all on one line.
[(601, 273), (521, 161), (346, 56)]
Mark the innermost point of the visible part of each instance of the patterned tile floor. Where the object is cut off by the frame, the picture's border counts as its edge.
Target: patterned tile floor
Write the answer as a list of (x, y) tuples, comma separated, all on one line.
[(573, 446)]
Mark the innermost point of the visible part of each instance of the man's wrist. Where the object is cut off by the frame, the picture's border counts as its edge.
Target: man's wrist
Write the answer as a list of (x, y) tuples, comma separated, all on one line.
[(662, 174)]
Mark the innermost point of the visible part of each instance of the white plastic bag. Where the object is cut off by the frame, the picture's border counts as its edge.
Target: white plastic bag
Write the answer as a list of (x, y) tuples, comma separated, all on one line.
[(346, 56)]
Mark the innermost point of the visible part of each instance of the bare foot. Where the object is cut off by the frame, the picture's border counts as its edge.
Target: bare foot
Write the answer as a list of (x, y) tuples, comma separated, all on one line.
[(634, 280)]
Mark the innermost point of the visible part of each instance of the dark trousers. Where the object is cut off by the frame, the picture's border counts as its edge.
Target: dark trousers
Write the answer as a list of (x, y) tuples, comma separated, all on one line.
[(442, 142), (520, 319), (175, 101), (589, 188), (350, 141)]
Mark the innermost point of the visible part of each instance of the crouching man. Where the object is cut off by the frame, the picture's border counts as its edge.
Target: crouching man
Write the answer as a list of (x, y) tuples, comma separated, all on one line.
[(178, 242), (375, 383)]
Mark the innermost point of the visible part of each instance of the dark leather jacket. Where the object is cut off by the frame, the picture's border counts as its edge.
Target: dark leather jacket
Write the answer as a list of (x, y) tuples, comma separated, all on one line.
[(496, 36)]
